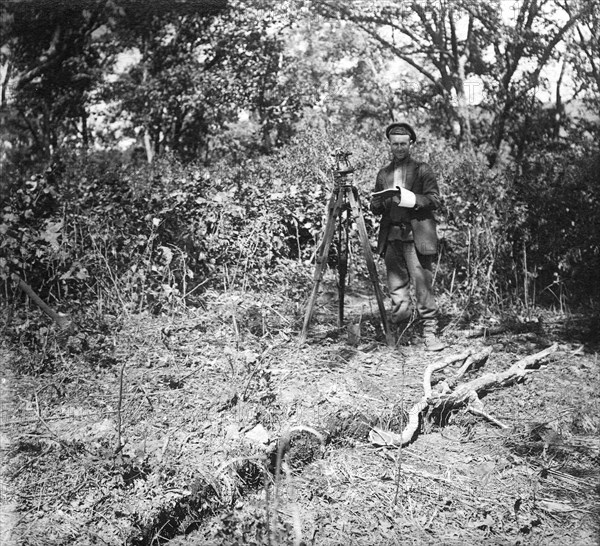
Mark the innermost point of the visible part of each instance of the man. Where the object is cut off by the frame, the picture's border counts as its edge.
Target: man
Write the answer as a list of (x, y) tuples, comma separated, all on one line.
[(407, 233)]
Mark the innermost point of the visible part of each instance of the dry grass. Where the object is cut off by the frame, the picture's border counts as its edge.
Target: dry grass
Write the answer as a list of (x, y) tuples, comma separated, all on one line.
[(193, 470)]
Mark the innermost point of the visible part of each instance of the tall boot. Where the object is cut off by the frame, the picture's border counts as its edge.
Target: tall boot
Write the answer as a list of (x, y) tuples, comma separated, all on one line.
[(432, 341)]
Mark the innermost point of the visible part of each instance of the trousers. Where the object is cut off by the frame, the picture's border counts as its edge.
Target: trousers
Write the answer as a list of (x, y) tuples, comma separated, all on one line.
[(405, 265)]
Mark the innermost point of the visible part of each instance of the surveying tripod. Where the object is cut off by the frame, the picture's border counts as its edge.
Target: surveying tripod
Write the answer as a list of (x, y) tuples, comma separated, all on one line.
[(344, 206)]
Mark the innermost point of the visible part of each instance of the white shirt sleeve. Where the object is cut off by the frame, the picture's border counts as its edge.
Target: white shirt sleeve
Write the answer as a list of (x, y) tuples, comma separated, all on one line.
[(407, 199)]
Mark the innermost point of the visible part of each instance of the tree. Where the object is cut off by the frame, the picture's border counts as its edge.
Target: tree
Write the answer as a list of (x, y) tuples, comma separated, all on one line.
[(535, 36), (583, 55), (55, 56), (50, 66), (429, 41), (456, 44)]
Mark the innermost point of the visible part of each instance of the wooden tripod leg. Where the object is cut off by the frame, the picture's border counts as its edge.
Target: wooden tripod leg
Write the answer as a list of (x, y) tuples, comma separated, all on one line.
[(333, 211), (364, 239), (342, 267)]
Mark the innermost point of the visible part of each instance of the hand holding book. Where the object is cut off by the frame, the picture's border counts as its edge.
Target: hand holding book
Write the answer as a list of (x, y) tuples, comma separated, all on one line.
[(406, 198), (389, 192)]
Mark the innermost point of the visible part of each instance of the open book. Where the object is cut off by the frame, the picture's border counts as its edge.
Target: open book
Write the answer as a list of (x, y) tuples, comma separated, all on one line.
[(390, 192)]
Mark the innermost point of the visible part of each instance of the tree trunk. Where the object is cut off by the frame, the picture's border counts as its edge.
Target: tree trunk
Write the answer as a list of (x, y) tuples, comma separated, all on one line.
[(559, 110), (84, 129), (5, 83)]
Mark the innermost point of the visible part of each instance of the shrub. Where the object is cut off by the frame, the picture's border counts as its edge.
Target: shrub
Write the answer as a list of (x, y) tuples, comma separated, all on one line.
[(559, 188), (95, 228)]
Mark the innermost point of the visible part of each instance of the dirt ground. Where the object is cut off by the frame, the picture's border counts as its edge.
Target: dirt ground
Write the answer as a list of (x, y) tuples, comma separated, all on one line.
[(215, 426)]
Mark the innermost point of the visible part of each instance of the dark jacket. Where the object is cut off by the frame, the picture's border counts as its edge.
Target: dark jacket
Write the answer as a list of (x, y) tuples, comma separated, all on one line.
[(422, 182)]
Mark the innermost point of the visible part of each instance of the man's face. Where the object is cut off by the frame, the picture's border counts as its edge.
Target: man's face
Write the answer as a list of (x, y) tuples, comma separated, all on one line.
[(400, 146)]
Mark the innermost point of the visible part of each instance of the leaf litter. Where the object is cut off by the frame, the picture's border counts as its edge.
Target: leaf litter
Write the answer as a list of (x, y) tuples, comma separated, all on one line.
[(233, 433)]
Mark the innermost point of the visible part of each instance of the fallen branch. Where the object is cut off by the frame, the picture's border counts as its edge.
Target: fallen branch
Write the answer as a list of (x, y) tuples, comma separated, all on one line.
[(476, 408), (63, 321), (487, 331), (378, 436), (464, 395), (436, 366), (501, 379)]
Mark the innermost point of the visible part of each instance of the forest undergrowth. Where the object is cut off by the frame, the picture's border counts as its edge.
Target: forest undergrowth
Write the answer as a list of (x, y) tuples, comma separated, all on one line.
[(213, 425), (165, 189)]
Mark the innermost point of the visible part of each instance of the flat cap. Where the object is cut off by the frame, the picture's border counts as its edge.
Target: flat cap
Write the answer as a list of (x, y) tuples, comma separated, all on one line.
[(393, 129)]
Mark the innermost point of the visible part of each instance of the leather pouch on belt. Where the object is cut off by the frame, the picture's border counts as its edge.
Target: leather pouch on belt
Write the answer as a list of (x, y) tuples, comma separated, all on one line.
[(425, 236), (395, 213)]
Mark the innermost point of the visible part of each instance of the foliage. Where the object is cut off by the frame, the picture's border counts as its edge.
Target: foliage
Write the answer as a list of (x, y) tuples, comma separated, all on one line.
[(205, 80), (240, 109), (475, 261), (561, 229), (96, 229), (458, 49), (93, 227), (175, 77), (195, 75)]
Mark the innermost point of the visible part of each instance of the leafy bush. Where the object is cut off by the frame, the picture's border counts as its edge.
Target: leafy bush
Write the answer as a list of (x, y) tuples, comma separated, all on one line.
[(477, 209), (521, 236), (95, 229), (559, 188)]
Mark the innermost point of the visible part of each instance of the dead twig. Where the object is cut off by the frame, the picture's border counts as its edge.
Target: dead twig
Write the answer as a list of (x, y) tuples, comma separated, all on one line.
[(464, 395), (119, 403), (479, 411)]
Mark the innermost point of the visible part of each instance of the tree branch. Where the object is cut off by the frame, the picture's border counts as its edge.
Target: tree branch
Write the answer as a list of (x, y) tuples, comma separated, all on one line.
[(466, 394), (555, 41), (63, 321)]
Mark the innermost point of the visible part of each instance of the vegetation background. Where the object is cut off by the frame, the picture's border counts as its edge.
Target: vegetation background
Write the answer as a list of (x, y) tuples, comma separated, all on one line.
[(158, 155)]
